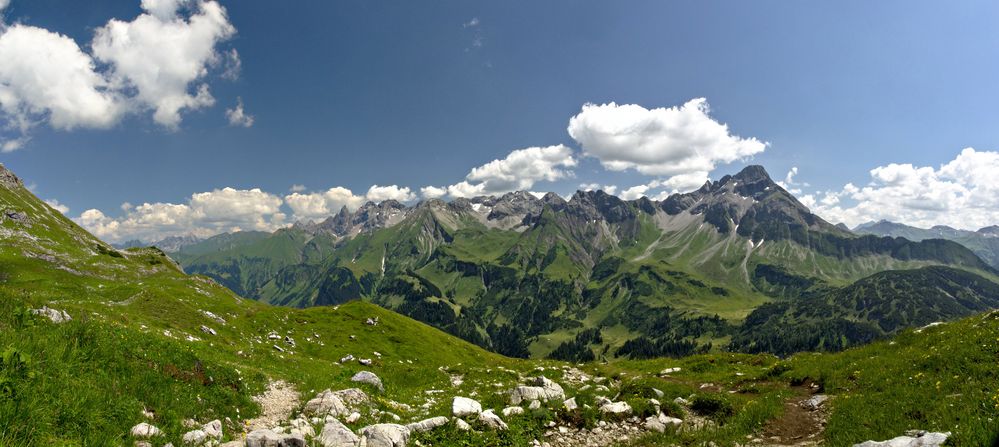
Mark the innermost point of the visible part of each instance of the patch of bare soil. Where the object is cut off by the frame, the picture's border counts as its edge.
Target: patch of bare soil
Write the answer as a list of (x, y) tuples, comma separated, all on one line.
[(801, 424)]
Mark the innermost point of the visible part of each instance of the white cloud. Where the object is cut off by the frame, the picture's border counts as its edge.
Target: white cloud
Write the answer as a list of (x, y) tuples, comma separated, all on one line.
[(153, 62), (161, 55), (668, 142), (45, 75), (634, 192), (609, 189), (432, 192), (3, 4), (237, 117), (520, 170), (204, 214), (297, 188), (57, 206), (392, 192), (963, 193), (319, 205), (471, 23), (233, 65)]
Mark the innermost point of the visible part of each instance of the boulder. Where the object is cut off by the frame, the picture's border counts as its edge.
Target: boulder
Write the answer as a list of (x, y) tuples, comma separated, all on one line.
[(145, 431), (462, 425), (267, 438), (491, 420), (195, 438), (213, 429), (570, 404), (427, 424), (534, 405), (384, 435), (914, 438), (57, 316), (352, 396), (335, 434), (369, 378), (512, 411), (653, 423), (463, 406), (618, 408), (325, 403), (540, 388), (302, 427)]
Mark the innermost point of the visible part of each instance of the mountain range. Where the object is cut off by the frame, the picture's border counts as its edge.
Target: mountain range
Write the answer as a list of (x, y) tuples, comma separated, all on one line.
[(596, 276), (984, 242)]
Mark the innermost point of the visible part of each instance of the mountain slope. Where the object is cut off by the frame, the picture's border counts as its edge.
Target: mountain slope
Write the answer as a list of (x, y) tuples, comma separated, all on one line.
[(874, 307), (984, 242)]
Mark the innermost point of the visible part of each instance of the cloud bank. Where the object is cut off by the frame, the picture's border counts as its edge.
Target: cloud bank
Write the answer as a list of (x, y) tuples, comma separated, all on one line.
[(962, 193)]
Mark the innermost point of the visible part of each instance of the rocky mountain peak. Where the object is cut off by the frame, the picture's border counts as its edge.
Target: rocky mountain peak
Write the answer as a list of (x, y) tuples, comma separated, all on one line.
[(8, 179)]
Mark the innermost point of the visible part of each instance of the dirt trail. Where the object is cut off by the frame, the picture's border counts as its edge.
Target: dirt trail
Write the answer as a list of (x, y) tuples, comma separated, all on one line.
[(276, 405), (799, 426)]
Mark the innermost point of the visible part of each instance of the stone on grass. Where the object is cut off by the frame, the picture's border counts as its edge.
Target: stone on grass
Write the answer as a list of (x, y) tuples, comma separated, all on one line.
[(213, 429), (427, 424), (325, 403), (267, 438), (369, 378), (618, 408), (512, 411), (335, 434), (913, 438), (145, 431), (384, 435), (491, 420), (463, 406), (195, 437)]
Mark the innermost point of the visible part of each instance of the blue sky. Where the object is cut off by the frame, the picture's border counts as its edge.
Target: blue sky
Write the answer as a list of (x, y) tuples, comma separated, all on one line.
[(414, 94)]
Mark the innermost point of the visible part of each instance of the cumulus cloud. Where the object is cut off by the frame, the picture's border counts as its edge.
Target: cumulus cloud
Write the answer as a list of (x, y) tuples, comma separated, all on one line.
[(57, 206), (3, 4), (520, 170), (962, 193), (471, 23), (45, 75), (392, 192), (667, 142), (432, 192), (237, 117), (160, 55), (319, 205), (152, 63), (609, 189), (297, 188), (634, 192), (204, 214)]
